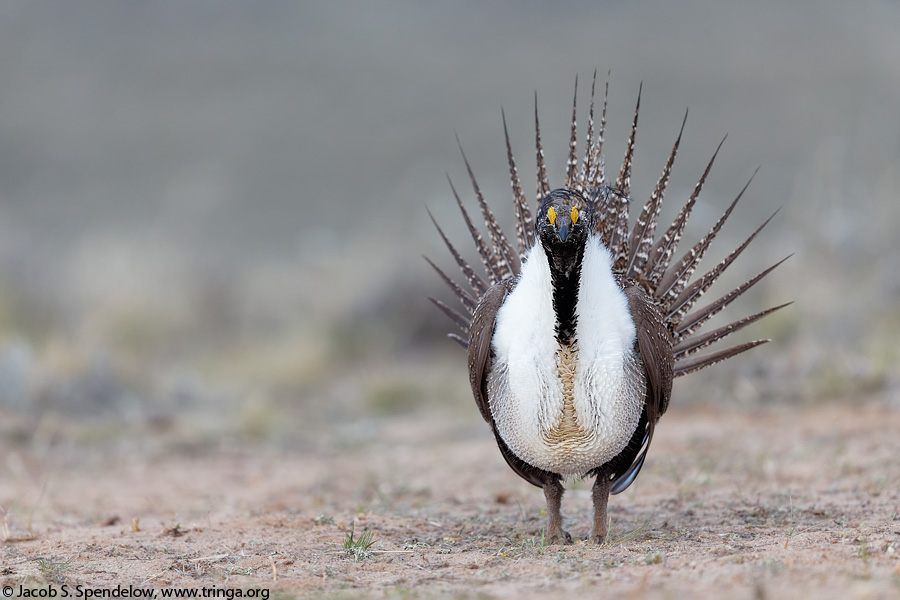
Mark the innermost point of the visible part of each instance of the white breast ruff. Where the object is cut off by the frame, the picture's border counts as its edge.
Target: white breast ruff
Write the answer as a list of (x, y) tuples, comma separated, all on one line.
[(549, 416)]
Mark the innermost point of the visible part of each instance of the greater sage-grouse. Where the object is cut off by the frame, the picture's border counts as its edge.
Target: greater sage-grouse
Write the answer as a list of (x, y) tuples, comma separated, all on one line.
[(575, 334)]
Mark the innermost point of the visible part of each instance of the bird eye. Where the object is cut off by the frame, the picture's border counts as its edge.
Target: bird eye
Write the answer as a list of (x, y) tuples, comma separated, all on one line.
[(551, 216), (574, 215)]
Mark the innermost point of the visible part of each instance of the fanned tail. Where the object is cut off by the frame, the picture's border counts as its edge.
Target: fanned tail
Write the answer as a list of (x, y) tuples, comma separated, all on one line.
[(638, 254), (477, 284), (543, 186), (582, 179), (677, 276), (688, 346), (618, 214), (662, 250), (498, 258), (678, 307), (508, 261), (487, 256), (524, 223), (572, 162), (596, 175), (642, 235), (690, 323), (701, 362)]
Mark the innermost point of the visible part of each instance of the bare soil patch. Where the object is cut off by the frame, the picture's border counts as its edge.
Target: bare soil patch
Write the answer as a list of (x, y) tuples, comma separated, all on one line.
[(780, 503)]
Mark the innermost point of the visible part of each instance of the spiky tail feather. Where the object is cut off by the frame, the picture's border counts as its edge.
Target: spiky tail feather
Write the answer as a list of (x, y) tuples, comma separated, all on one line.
[(638, 255)]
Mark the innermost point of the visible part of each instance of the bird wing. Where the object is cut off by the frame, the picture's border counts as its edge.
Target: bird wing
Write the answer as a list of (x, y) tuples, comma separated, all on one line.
[(481, 331), (654, 345)]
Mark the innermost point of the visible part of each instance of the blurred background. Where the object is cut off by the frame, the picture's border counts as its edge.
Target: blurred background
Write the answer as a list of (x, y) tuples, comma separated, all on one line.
[(213, 214)]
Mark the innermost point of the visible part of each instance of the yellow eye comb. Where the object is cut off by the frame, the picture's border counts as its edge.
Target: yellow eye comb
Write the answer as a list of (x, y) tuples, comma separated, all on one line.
[(551, 215), (574, 215)]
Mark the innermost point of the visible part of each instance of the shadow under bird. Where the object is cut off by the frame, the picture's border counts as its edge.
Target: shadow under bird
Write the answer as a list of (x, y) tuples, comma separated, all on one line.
[(575, 335)]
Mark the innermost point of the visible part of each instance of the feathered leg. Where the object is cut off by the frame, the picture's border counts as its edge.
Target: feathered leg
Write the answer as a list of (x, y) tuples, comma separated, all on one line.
[(553, 492), (601, 497)]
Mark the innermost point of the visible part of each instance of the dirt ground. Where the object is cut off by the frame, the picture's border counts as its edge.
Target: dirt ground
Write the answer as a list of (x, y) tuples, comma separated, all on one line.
[(762, 503)]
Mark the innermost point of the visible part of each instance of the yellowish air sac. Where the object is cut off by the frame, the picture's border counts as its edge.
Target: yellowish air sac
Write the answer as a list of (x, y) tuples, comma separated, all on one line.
[(551, 214), (574, 215)]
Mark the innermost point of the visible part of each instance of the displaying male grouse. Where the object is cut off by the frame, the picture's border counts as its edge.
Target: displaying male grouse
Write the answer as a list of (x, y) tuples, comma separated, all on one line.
[(575, 336)]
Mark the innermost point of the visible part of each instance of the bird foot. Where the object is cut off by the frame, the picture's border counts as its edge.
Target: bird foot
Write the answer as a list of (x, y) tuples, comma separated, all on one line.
[(559, 536), (597, 538), (599, 532)]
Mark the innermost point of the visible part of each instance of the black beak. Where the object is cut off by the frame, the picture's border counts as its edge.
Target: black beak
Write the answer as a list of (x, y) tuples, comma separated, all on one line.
[(563, 232)]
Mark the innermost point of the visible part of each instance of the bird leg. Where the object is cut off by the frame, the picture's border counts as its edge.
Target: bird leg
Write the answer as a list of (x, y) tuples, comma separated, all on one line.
[(553, 492), (601, 497)]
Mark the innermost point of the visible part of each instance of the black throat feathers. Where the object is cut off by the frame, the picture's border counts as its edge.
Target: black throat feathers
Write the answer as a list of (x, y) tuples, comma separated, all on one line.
[(565, 274)]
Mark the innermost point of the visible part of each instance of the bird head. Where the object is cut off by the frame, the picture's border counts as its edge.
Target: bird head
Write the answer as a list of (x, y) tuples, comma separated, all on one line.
[(564, 219)]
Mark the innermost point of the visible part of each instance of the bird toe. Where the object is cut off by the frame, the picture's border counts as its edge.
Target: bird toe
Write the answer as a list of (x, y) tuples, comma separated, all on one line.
[(560, 536)]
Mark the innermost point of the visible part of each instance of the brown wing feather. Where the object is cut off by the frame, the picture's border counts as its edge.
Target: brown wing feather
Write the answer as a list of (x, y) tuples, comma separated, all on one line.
[(480, 333), (654, 344)]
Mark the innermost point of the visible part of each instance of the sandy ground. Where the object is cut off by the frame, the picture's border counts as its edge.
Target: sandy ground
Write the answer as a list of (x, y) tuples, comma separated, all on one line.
[(768, 503)]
